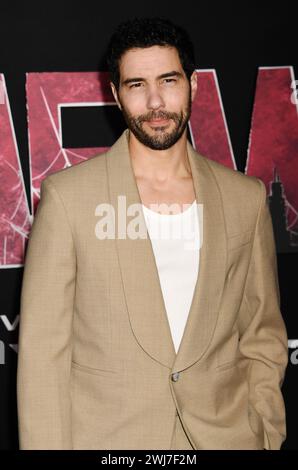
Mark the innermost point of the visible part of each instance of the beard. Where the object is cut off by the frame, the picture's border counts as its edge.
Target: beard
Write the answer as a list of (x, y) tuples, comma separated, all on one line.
[(162, 139)]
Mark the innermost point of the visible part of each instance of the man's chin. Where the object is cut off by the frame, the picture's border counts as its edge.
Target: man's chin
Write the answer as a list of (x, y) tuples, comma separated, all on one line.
[(157, 144), (156, 140), (158, 134)]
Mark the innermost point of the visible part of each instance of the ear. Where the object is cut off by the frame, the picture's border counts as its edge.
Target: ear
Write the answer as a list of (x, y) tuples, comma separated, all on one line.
[(115, 94), (193, 84)]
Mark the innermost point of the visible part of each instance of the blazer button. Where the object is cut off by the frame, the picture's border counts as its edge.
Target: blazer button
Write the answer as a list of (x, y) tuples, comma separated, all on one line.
[(175, 376)]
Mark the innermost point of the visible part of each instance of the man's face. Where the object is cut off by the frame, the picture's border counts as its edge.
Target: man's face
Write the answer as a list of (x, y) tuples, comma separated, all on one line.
[(155, 95)]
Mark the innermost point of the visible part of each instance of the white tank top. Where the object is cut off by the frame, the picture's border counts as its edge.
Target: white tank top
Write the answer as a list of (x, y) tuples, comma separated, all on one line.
[(175, 241)]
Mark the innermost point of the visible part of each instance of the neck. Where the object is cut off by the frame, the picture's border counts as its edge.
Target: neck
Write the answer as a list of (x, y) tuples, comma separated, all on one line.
[(159, 165)]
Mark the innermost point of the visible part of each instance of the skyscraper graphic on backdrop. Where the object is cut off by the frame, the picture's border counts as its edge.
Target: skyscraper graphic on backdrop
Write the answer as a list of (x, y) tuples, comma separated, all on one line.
[(286, 235)]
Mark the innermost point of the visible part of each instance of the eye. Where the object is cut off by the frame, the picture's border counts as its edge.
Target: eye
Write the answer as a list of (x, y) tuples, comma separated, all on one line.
[(136, 85), (170, 80)]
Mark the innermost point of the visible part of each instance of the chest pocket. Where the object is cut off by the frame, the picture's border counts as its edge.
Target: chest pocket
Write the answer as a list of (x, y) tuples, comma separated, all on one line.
[(239, 240)]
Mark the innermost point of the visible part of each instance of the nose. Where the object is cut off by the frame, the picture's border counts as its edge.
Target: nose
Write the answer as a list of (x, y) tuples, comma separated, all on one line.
[(154, 98)]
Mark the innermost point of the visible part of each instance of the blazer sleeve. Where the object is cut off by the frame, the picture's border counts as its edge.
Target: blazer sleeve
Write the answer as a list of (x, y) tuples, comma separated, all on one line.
[(45, 330), (264, 341)]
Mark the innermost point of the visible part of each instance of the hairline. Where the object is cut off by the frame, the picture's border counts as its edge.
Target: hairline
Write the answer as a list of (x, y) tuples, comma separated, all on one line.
[(171, 46)]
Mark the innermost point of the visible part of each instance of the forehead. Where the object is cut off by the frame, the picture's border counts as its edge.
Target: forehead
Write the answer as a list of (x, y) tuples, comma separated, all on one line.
[(149, 61)]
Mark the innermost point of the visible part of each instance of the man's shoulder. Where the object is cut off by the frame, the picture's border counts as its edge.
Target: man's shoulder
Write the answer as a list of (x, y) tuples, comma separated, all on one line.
[(90, 171), (241, 195), (232, 182), (79, 174)]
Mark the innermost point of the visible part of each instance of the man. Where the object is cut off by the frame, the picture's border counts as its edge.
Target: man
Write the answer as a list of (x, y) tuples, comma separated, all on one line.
[(105, 360)]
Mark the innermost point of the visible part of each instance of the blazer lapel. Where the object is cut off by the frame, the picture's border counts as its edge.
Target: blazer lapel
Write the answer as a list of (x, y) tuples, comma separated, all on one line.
[(142, 289), (205, 305)]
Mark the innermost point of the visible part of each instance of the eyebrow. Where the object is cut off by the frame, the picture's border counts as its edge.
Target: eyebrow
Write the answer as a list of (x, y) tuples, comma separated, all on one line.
[(174, 73)]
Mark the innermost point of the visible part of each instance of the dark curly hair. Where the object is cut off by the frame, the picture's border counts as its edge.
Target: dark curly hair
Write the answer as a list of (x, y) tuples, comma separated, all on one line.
[(147, 32)]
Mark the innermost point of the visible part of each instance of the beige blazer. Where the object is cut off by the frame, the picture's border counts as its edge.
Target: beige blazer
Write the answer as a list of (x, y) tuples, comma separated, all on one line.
[(97, 368)]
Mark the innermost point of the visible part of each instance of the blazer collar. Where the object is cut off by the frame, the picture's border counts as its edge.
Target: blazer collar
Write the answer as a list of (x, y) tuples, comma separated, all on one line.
[(142, 289)]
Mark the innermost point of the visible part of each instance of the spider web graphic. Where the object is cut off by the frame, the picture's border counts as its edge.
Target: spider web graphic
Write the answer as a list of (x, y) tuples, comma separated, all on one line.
[(47, 93), (15, 220)]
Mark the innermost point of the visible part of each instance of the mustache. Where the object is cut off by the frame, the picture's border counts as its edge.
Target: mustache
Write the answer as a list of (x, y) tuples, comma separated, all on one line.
[(158, 115)]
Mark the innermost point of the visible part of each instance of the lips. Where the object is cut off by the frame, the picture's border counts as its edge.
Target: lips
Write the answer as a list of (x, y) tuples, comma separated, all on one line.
[(158, 121)]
